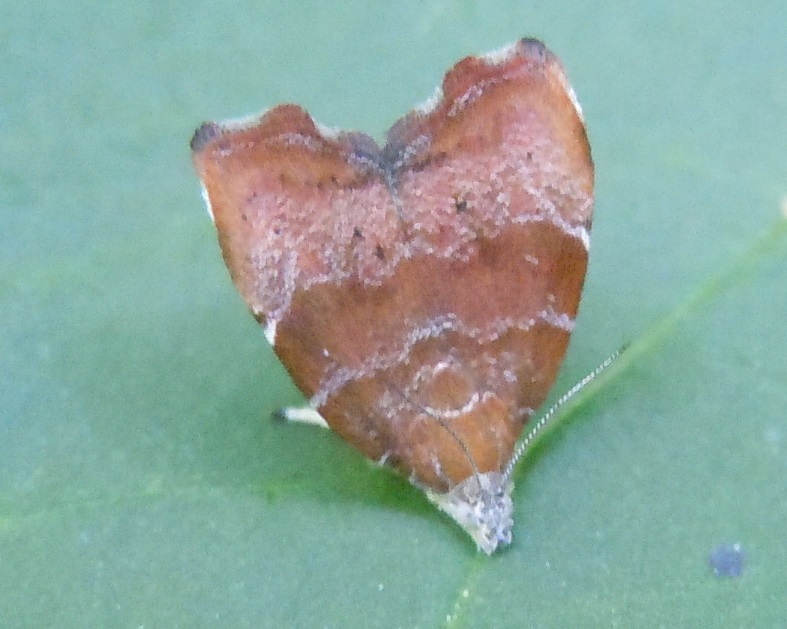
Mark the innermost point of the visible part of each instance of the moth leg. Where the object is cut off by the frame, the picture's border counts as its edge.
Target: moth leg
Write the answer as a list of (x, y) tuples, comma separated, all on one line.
[(301, 415)]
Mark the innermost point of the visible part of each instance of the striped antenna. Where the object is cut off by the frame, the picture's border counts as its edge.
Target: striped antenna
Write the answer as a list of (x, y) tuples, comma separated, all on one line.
[(545, 419)]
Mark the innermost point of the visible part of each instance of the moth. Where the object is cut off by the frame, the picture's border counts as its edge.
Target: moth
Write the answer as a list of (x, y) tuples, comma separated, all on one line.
[(421, 293)]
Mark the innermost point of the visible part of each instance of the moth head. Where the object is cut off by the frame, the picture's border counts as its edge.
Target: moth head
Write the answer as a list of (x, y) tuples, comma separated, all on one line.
[(481, 504)]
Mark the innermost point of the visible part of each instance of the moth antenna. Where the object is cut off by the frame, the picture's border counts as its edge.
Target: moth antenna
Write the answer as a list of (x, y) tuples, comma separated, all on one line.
[(442, 423), (528, 439)]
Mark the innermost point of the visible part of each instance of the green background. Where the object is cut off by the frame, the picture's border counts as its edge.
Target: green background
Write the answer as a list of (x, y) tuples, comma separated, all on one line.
[(142, 483)]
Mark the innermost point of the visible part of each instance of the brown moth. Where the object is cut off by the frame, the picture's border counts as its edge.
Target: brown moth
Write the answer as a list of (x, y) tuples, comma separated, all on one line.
[(420, 294)]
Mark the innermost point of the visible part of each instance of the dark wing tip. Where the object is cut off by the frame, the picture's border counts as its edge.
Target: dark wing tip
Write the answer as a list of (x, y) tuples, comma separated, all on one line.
[(204, 135)]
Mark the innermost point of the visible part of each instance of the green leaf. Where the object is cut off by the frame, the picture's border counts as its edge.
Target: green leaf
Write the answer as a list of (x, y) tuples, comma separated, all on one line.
[(142, 481)]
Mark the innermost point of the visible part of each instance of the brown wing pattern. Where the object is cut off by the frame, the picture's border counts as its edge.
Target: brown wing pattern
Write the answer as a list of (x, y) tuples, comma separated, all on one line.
[(421, 295)]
